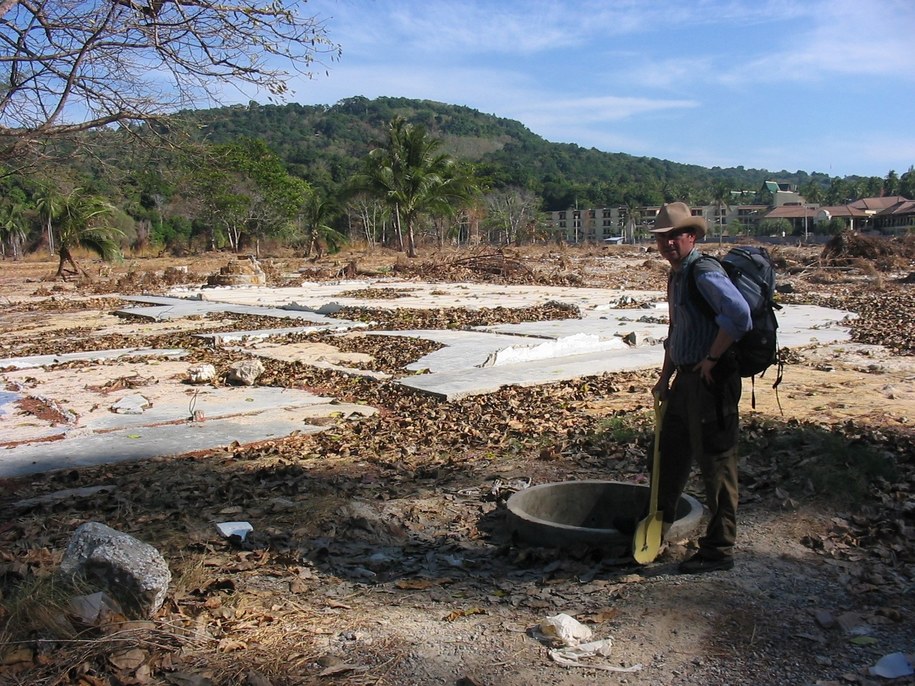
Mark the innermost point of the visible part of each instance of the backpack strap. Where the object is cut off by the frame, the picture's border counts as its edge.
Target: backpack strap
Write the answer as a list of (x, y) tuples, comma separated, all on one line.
[(706, 263), (695, 295)]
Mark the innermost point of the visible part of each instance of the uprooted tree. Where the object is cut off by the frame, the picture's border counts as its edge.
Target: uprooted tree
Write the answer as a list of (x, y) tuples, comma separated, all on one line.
[(72, 66)]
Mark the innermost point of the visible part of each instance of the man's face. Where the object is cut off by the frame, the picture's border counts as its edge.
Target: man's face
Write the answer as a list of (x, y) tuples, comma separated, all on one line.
[(675, 245)]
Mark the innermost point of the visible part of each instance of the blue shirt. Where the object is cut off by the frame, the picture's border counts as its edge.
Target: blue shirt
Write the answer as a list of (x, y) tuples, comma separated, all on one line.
[(691, 330)]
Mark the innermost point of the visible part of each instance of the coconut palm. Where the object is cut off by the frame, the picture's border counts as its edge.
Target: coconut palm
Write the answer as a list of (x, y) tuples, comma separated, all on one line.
[(411, 177), (47, 202), (81, 223), (812, 192), (317, 212)]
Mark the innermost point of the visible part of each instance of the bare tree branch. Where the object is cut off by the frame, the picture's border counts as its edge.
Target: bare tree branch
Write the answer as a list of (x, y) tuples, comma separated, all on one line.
[(71, 65)]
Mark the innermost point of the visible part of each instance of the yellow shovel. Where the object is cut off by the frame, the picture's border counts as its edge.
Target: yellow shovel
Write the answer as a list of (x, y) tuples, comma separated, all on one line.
[(647, 540)]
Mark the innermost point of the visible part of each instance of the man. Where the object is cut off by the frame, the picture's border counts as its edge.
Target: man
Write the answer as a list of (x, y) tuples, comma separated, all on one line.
[(700, 419)]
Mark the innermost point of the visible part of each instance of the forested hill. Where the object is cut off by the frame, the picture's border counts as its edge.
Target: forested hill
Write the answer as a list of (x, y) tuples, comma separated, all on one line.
[(325, 145)]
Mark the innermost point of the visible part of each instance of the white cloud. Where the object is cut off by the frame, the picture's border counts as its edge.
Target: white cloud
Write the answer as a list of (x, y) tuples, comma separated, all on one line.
[(839, 37), (597, 110)]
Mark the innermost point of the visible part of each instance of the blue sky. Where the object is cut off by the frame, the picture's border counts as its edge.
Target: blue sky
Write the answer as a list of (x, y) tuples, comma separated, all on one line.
[(815, 85)]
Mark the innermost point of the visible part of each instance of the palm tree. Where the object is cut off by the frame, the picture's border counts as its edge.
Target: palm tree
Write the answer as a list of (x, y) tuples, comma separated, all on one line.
[(633, 219), (891, 183), (316, 214), (411, 178), (813, 193), (48, 205), (721, 196), (81, 223), (12, 231)]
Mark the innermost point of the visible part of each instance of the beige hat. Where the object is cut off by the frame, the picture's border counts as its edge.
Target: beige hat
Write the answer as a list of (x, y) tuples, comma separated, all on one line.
[(677, 215)]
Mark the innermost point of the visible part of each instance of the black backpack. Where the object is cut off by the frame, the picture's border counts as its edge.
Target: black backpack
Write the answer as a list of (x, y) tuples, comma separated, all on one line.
[(751, 270)]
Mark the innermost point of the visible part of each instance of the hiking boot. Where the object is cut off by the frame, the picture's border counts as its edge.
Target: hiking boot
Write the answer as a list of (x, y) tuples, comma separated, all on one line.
[(699, 564)]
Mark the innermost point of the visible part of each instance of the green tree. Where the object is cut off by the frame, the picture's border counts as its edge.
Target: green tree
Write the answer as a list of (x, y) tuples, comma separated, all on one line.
[(907, 184), (315, 221), (82, 222), (245, 190), (812, 192), (835, 226), (411, 177), (891, 184), (839, 193), (775, 227)]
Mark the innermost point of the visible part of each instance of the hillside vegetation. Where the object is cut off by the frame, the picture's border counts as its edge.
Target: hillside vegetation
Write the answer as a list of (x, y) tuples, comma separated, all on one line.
[(247, 177), (325, 145)]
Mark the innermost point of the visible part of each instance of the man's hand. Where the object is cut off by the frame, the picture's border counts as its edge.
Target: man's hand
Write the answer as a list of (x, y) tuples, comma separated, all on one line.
[(661, 388), (705, 370)]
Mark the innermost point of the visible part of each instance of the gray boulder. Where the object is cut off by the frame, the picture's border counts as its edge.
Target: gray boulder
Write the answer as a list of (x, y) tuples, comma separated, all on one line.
[(132, 572)]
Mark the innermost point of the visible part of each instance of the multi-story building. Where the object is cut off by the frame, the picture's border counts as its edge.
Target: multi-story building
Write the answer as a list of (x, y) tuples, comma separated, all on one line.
[(587, 225)]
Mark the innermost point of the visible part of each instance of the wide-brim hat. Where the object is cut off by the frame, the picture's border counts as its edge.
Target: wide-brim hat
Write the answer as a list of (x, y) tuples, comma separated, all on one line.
[(675, 216)]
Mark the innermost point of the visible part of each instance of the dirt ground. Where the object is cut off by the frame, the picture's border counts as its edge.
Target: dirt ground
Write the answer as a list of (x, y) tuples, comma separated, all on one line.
[(380, 553)]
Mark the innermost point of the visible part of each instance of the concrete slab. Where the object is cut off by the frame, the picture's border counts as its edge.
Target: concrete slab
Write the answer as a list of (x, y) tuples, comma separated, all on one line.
[(315, 354), (412, 294), (461, 369), (469, 381), (158, 308), (144, 443), (483, 360), (33, 361), (63, 417), (220, 337), (462, 349)]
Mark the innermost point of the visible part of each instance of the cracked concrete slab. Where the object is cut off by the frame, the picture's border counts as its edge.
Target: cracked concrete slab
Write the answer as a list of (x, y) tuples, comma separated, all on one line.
[(61, 417)]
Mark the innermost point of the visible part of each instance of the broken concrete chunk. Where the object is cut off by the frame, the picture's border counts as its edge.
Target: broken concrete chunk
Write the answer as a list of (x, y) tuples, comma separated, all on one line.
[(201, 373), (635, 339), (132, 572), (239, 529), (245, 372)]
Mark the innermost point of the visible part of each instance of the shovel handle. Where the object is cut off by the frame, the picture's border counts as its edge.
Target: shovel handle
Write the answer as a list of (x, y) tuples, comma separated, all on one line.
[(659, 407)]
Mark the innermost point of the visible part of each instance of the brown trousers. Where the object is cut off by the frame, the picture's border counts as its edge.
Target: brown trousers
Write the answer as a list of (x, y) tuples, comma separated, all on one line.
[(700, 423)]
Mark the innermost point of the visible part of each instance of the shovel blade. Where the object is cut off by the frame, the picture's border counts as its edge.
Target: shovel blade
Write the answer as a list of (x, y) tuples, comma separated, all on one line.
[(646, 543)]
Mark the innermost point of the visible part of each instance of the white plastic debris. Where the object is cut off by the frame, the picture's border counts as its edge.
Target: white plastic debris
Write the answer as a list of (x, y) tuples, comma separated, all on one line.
[(564, 629), (229, 529), (893, 666)]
